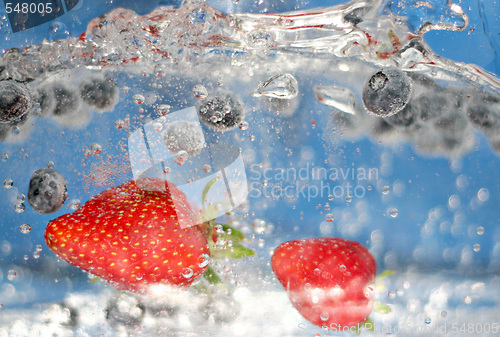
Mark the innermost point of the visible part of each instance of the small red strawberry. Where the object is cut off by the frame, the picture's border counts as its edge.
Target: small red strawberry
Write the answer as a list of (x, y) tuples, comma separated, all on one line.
[(330, 281), (134, 238)]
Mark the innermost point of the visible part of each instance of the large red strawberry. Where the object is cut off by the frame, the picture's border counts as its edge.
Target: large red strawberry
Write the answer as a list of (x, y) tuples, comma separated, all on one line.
[(134, 237), (330, 281)]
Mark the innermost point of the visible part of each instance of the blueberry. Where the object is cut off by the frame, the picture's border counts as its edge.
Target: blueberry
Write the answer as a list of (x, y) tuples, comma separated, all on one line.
[(47, 191), (15, 101), (183, 136), (100, 93), (484, 113), (428, 101), (66, 101), (387, 92), (6, 128), (223, 111), (46, 100)]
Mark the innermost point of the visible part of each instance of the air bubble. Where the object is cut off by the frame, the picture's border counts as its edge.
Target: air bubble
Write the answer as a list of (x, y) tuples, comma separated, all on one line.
[(203, 260), (96, 148), (454, 201), (25, 228), (207, 168), (348, 198), (19, 207), (480, 230), (324, 316), (119, 124), (163, 109), (483, 194), (406, 284), (468, 299), (187, 272), (427, 320), (329, 217), (244, 125), (167, 170), (36, 255), (11, 275), (50, 164), (5, 157), (342, 268), (282, 86), (386, 189), (200, 91), (259, 226), (181, 157), (157, 126), (21, 197), (139, 99), (393, 212), (8, 183), (75, 204), (39, 248), (476, 247)]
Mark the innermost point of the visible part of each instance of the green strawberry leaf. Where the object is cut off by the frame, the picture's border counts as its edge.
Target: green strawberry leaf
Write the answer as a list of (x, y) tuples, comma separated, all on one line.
[(235, 236), (368, 324), (212, 210), (237, 251), (381, 308), (206, 189), (385, 273), (211, 276)]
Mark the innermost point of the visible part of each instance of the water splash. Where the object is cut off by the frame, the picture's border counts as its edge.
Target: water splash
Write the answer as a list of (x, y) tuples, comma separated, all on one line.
[(374, 32)]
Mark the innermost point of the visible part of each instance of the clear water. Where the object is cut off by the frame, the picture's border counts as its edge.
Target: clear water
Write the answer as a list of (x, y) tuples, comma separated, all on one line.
[(419, 190)]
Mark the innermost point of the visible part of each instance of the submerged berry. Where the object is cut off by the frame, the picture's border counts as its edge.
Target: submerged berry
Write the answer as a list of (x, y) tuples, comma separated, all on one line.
[(47, 191)]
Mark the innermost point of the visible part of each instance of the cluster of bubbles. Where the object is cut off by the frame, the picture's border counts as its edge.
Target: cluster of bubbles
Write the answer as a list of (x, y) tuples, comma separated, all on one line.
[(221, 111), (438, 120)]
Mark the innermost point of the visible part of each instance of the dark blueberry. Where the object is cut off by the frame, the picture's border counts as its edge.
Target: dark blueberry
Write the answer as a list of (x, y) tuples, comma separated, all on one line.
[(223, 111), (46, 100), (47, 191), (100, 93), (15, 101), (406, 117), (6, 128), (66, 100), (484, 113), (387, 92)]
